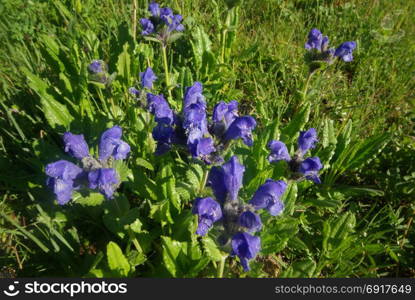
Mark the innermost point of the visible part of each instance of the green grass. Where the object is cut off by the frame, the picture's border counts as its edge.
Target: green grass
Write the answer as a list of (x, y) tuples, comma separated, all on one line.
[(263, 68)]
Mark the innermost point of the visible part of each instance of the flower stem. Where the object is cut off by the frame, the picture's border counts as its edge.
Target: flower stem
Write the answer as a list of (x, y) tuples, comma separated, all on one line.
[(134, 21), (204, 180), (223, 46), (221, 268), (305, 89), (166, 68)]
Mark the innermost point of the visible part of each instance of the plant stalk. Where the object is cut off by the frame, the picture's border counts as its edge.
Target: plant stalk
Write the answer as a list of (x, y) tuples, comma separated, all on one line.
[(204, 180), (221, 268), (166, 69)]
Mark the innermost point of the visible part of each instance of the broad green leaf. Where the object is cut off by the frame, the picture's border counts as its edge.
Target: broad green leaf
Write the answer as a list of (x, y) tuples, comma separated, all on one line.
[(122, 169), (300, 269), (171, 251), (135, 258), (200, 44), (278, 232), (211, 249), (168, 186), (368, 150), (117, 224), (144, 163), (117, 262), (290, 132), (123, 64), (289, 198), (55, 112), (93, 199)]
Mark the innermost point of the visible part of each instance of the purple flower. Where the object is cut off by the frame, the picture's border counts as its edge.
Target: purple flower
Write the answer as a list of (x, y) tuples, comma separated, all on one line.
[(173, 22), (147, 78), (202, 147), (317, 41), (166, 12), (223, 115), (63, 169), (133, 91), (216, 181), (226, 181), (96, 66), (154, 9), (195, 118), (279, 152), (105, 180), (163, 135), (246, 247), (268, 196), (193, 95), (232, 177), (76, 145), (209, 212), (62, 175), (225, 112), (307, 140), (159, 107), (148, 27), (345, 50), (250, 220), (241, 128), (310, 167), (111, 144)]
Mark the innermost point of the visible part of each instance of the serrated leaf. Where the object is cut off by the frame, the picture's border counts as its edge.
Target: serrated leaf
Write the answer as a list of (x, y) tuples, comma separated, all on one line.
[(276, 237), (289, 198), (117, 224), (135, 258), (122, 169), (93, 199), (144, 163), (55, 112), (300, 269), (290, 132), (200, 44), (168, 186), (171, 251), (211, 249), (123, 64), (117, 262)]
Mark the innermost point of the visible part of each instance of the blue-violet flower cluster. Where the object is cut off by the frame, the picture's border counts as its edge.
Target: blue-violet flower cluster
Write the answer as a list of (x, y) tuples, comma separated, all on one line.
[(162, 22), (308, 167), (239, 221), (191, 128), (64, 176), (318, 45)]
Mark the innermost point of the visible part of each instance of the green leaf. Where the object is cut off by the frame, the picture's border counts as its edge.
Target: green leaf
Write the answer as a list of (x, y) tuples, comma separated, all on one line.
[(290, 132), (279, 232), (55, 112), (289, 198), (200, 44), (135, 258), (212, 250), (92, 199), (123, 64), (300, 269), (144, 163), (117, 225), (122, 169), (117, 262), (367, 150), (149, 38), (168, 186), (171, 251)]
